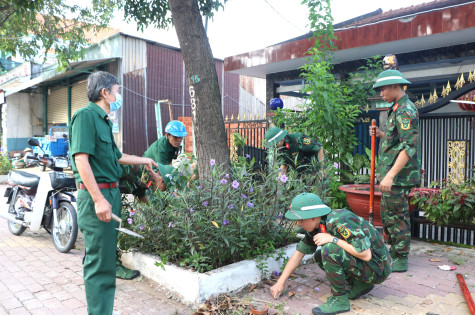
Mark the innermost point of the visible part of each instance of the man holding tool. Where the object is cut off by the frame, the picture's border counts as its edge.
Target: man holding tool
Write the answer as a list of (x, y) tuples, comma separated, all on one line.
[(399, 164), (352, 251)]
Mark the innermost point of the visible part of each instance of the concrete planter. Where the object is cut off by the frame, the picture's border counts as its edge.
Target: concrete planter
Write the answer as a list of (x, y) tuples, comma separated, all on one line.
[(193, 287)]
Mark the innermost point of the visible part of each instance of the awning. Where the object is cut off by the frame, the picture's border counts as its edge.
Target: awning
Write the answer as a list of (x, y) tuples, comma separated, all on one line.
[(50, 75)]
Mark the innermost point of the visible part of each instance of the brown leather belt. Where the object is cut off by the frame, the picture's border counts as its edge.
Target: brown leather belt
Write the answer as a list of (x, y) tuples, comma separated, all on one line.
[(102, 185)]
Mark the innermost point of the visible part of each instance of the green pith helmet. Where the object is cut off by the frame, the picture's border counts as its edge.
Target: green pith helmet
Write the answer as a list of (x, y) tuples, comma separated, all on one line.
[(389, 77), (307, 206), (273, 136), (166, 172)]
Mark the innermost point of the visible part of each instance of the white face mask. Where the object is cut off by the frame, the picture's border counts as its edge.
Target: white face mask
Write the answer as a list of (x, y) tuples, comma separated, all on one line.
[(118, 102)]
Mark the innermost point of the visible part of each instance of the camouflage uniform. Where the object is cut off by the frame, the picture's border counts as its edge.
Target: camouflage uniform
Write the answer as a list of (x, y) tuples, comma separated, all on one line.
[(299, 144), (341, 267), (402, 133), (161, 151)]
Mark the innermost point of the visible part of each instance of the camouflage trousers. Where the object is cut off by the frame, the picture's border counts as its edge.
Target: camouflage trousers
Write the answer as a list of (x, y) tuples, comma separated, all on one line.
[(341, 268), (396, 221)]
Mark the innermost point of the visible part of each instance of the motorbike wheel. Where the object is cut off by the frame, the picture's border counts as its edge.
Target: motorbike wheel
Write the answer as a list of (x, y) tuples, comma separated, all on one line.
[(15, 228), (64, 237)]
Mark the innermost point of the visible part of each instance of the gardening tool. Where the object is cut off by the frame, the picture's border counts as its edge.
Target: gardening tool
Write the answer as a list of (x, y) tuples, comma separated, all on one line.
[(371, 186), (466, 294), (124, 230)]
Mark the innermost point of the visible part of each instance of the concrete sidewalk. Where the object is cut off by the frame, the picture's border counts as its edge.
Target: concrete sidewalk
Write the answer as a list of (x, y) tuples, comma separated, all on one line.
[(36, 279)]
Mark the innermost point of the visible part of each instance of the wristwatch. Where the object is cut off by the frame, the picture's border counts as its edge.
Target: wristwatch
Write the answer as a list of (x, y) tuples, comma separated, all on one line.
[(335, 240)]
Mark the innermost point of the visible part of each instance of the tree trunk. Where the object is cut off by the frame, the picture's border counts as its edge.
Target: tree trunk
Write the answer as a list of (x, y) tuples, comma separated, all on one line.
[(205, 96)]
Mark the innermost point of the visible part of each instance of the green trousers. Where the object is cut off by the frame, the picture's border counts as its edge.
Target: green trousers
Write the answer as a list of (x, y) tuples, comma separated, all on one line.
[(101, 241)]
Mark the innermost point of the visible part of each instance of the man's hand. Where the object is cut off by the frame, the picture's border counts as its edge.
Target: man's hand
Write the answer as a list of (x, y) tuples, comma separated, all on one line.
[(276, 290), (103, 209), (322, 238), (386, 184), (375, 130), (149, 164)]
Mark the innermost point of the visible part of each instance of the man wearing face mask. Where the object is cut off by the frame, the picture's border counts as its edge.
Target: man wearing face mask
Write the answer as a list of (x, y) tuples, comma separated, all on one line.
[(95, 162), (165, 149)]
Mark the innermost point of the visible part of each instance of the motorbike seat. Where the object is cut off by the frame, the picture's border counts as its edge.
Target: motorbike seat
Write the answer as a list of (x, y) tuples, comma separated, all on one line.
[(23, 179)]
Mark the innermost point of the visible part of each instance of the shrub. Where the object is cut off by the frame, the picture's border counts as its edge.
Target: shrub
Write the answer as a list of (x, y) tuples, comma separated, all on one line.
[(449, 204), (232, 217), (5, 164)]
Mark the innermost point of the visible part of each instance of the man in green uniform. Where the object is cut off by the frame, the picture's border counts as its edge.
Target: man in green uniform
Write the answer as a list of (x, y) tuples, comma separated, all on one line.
[(294, 144), (352, 251), (399, 164), (165, 149), (95, 162)]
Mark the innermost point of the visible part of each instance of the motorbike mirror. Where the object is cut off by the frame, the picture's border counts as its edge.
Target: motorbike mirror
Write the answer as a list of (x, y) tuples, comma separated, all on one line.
[(34, 142)]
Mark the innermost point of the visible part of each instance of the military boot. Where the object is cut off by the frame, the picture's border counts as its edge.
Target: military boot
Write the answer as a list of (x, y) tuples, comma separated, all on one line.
[(334, 305), (125, 273), (399, 264), (359, 288)]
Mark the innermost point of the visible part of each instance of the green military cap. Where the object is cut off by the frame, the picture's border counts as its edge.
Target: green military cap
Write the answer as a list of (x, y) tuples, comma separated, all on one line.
[(166, 172), (273, 136), (389, 77), (307, 206)]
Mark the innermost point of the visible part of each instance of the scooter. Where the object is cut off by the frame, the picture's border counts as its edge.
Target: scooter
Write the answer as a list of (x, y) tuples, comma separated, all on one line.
[(43, 201)]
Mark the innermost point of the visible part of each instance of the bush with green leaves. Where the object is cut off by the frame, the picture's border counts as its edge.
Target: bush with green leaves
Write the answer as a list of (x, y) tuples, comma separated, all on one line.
[(448, 203), (232, 217), (5, 164)]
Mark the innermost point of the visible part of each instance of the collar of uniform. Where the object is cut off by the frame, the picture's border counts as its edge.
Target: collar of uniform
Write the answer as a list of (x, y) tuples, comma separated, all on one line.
[(96, 108), (401, 101)]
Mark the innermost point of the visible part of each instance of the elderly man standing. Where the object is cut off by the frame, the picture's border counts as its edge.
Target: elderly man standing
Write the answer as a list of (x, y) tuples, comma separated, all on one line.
[(399, 164), (95, 162)]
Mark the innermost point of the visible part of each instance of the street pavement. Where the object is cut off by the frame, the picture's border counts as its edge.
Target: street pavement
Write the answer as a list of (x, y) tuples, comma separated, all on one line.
[(36, 279)]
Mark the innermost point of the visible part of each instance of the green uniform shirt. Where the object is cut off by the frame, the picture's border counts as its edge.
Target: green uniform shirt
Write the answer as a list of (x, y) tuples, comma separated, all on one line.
[(299, 144), (402, 133), (346, 225), (91, 133), (161, 151)]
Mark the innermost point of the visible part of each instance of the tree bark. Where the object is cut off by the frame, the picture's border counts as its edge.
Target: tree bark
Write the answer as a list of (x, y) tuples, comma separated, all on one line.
[(205, 95)]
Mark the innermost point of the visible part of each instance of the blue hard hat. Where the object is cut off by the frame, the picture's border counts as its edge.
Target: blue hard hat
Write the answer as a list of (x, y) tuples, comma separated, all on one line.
[(176, 128), (276, 103)]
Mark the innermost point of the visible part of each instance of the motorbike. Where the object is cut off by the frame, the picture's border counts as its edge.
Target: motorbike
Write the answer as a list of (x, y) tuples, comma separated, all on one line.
[(43, 201)]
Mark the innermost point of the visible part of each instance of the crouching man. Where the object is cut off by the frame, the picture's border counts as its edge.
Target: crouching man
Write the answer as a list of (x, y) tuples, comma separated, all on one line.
[(352, 252)]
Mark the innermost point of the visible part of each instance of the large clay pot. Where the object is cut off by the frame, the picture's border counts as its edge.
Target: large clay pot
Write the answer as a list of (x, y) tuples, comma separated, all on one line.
[(357, 196)]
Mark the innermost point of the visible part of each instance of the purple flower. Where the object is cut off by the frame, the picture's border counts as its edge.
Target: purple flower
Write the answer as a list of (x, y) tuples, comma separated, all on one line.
[(279, 215), (243, 196), (248, 156), (170, 225), (231, 206), (205, 203), (212, 162), (225, 222), (250, 205), (335, 164), (155, 229), (223, 181), (283, 178), (317, 289), (276, 273), (129, 220), (192, 210), (198, 187), (141, 227), (131, 213), (235, 184), (251, 189), (227, 175)]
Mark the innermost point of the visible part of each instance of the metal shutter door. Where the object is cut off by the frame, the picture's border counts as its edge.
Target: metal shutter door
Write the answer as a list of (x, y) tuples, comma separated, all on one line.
[(58, 106)]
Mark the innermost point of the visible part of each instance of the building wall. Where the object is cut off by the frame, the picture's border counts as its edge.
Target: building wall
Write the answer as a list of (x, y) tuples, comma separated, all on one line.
[(21, 118)]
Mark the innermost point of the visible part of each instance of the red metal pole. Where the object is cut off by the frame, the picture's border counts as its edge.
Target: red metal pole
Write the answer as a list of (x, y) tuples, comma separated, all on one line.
[(371, 186), (466, 294)]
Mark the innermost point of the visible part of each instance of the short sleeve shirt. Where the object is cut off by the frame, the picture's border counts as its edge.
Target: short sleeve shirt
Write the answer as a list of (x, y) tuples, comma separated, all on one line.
[(298, 144), (346, 225), (402, 133), (91, 133), (161, 151)]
